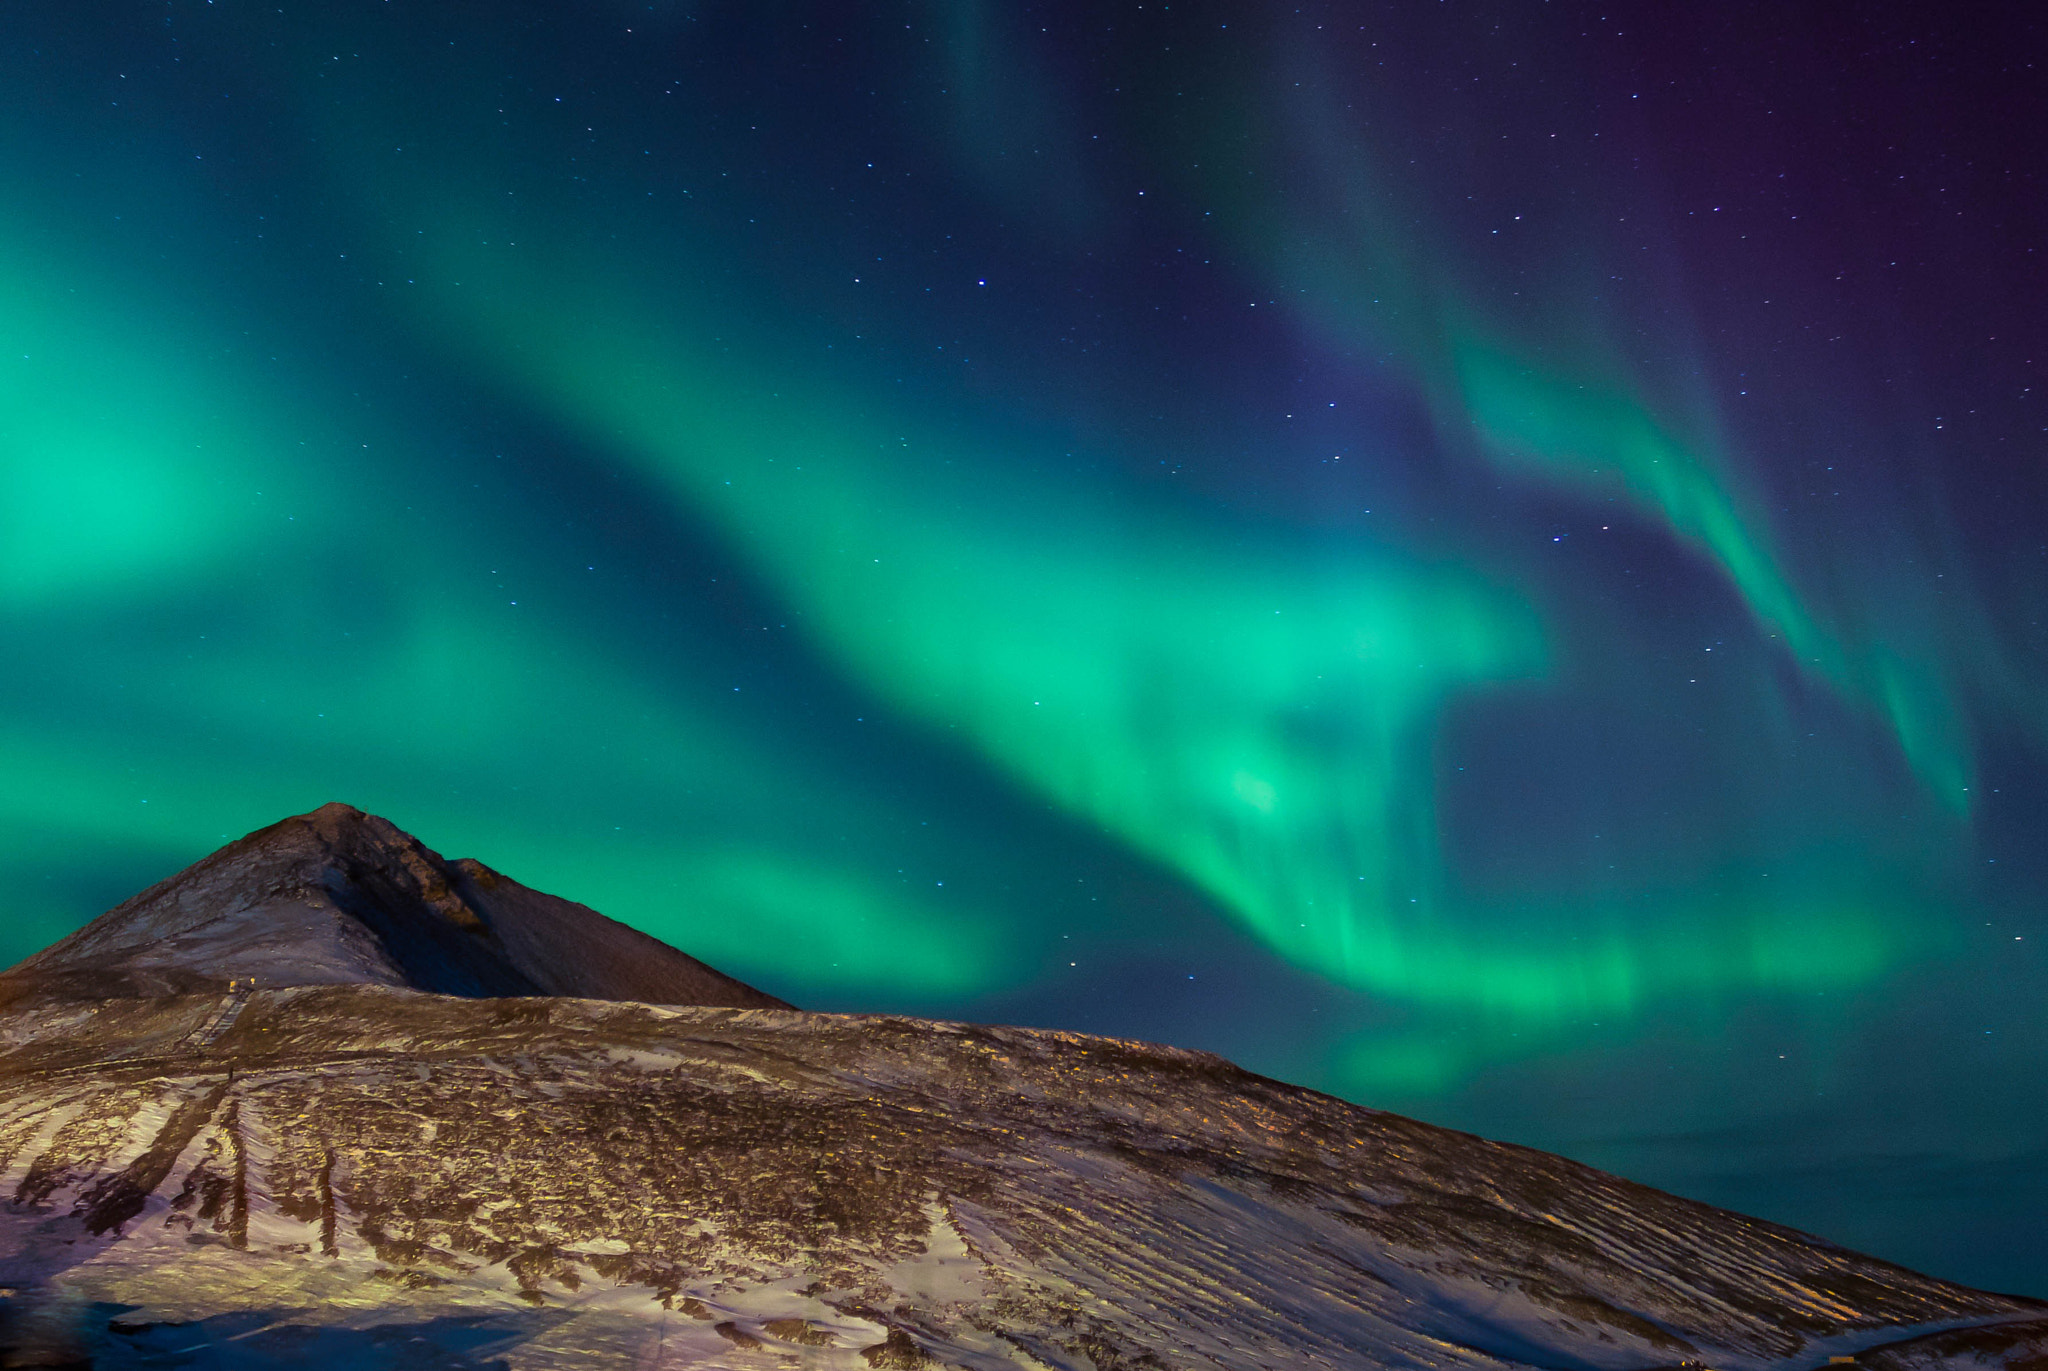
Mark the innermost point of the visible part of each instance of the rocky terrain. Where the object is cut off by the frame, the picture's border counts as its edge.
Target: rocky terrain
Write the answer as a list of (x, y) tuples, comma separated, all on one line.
[(458, 1124), (340, 897)]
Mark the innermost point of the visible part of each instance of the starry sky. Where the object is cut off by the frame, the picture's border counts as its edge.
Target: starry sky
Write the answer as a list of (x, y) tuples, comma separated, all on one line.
[(1485, 558)]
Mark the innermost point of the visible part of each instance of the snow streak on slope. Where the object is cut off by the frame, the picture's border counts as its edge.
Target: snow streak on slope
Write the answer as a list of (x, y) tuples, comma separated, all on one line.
[(540, 1183)]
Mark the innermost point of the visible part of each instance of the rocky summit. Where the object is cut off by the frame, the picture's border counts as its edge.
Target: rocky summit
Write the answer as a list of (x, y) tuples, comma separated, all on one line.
[(326, 1099), (340, 897)]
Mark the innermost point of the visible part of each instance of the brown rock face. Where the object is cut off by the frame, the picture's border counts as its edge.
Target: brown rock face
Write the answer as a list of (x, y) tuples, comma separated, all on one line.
[(346, 1171)]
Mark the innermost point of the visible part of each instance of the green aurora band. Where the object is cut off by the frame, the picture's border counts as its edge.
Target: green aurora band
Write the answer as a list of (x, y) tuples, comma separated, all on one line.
[(1573, 424), (1253, 715), (767, 474), (1249, 711), (147, 501)]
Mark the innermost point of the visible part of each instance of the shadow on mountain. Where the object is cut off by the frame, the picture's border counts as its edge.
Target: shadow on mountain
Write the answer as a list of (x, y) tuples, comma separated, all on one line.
[(340, 897)]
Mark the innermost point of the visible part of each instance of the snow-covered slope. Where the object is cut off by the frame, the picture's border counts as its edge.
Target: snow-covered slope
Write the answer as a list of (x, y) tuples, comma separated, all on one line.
[(343, 897), (367, 1175)]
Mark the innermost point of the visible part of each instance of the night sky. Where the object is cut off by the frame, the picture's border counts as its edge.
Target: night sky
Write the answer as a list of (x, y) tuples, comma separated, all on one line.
[(1478, 557)]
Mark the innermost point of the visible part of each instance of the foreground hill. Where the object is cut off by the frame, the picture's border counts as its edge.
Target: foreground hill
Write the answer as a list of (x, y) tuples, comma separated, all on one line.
[(354, 1171)]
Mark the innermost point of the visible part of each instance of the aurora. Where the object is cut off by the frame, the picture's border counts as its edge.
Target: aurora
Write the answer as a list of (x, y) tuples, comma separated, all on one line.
[(1484, 561)]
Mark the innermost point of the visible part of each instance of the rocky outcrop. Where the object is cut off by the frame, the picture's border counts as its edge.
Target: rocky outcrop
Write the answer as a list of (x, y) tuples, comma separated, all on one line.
[(363, 1173), (338, 896)]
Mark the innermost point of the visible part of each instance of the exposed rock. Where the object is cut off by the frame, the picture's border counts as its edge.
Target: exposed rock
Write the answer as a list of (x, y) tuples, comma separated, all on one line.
[(343, 897), (355, 1172)]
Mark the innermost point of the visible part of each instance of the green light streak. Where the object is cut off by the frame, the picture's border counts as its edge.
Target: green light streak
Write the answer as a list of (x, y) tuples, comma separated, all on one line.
[(1250, 711), (1695, 956), (149, 481), (501, 741), (118, 458), (1353, 245), (1603, 443), (1253, 715)]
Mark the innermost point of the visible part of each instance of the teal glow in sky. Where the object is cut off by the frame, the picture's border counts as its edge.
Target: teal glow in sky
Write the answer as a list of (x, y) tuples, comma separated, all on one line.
[(1447, 557)]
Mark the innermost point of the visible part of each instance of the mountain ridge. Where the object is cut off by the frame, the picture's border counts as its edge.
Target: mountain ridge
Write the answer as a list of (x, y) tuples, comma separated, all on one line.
[(350, 1168), (340, 896)]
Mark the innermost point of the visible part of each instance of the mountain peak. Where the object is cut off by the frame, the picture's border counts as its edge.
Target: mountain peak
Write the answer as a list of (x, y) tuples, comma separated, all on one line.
[(313, 1170), (339, 896)]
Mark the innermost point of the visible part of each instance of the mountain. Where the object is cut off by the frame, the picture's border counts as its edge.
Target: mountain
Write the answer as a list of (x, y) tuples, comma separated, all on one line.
[(340, 897), (358, 1162)]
